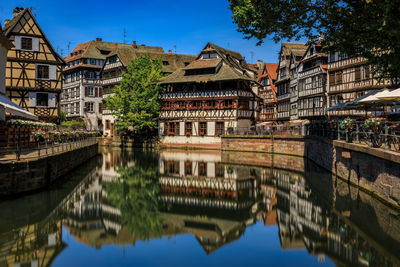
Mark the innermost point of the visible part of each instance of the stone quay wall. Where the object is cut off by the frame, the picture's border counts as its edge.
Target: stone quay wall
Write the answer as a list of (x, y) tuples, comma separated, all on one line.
[(375, 171), (30, 175)]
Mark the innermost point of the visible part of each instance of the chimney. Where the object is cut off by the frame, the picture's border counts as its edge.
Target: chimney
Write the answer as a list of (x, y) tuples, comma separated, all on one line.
[(170, 51), (99, 40), (17, 10), (6, 21), (134, 44), (260, 64)]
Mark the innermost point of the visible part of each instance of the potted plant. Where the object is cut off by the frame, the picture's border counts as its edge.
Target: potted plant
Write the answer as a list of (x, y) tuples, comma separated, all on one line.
[(38, 135)]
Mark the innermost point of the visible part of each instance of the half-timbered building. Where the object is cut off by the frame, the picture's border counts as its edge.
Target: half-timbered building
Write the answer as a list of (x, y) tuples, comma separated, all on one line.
[(34, 69), (268, 92), (348, 79), (4, 46), (211, 95), (286, 83), (312, 72), (82, 88), (117, 62)]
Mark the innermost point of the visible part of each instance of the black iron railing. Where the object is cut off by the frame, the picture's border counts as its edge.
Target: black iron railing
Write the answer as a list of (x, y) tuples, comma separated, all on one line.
[(386, 135), (45, 148)]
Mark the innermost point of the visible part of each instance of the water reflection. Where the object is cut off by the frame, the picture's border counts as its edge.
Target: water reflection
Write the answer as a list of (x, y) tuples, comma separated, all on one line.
[(128, 197)]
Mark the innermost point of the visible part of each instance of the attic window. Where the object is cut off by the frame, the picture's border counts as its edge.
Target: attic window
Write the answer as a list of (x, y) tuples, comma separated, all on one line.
[(200, 71), (112, 59), (26, 43), (104, 52), (186, 63), (165, 63), (209, 56)]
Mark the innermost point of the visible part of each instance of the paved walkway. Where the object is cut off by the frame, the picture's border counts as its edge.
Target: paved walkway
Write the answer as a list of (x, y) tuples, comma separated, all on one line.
[(35, 153)]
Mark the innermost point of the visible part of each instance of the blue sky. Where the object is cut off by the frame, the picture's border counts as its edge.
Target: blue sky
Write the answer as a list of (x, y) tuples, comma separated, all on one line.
[(186, 24)]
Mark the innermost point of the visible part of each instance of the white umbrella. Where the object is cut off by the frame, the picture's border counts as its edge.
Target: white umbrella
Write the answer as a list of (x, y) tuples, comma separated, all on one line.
[(375, 97), (392, 95)]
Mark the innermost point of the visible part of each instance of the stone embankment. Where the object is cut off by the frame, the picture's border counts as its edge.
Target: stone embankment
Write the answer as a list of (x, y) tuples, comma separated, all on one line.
[(376, 171), (17, 177)]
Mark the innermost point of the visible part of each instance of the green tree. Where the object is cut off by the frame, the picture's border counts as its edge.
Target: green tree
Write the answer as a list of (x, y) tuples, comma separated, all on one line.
[(135, 101), (135, 194), (366, 28)]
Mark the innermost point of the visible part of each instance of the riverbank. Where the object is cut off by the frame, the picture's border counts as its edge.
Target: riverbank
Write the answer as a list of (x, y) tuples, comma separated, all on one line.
[(28, 175)]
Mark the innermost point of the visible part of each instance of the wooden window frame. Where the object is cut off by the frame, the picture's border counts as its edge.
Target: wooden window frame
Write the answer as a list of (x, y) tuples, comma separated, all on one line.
[(26, 43), (202, 128), (43, 72), (218, 129), (37, 99), (188, 128)]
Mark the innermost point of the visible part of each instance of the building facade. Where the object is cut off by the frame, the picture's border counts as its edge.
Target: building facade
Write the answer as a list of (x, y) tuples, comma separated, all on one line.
[(34, 69), (208, 97), (286, 83), (312, 75), (268, 92), (83, 89), (5, 45), (348, 79), (118, 60)]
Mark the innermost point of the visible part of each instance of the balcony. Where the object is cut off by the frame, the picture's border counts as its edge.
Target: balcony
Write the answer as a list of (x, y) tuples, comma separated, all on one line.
[(92, 81), (203, 94), (112, 65), (283, 97), (112, 80)]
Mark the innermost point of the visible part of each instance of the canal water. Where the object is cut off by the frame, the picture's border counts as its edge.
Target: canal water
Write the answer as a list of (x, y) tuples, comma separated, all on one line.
[(202, 208)]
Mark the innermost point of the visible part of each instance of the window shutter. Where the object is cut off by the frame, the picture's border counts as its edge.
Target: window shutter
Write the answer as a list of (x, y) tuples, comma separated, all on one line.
[(86, 106), (53, 72), (52, 100), (35, 44), (32, 99), (100, 92), (17, 42), (96, 92), (100, 108), (86, 92)]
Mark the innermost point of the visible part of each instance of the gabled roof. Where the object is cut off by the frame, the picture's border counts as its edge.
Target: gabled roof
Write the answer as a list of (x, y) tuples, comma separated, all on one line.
[(174, 61), (272, 70), (295, 49), (10, 24), (203, 64), (233, 67)]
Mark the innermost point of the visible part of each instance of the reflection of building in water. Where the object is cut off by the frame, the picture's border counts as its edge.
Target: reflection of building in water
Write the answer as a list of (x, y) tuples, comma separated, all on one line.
[(32, 245), (213, 201), (304, 222)]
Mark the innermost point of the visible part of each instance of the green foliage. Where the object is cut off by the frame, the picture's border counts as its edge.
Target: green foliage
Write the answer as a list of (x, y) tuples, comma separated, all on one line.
[(63, 116), (135, 101), (135, 195), (73, 124), (366, 28)]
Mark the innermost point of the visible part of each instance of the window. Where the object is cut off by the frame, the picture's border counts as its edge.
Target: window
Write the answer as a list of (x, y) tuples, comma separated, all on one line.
[(219, 128), (186, 63), (188, 128), (367, 72), (188, 168), (165, 63), (90, 91), (42, 99), (107, 124), (219, 170), (202, 128), (202, 169), (93, 62), (77, 107), (42, 72), (26, 43), (357, 74), (72, 108), (89, 106), (112, 59)]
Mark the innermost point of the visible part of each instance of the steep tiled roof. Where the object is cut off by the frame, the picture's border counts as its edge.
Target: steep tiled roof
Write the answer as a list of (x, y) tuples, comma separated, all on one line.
[(202, 64), (9, 24), (174, 61), (297, 49), (234, 67), (272, 70)]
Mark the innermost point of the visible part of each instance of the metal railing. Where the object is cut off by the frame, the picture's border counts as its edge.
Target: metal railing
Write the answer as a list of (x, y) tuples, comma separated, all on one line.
[(386, 136), (277, 130), (45, 148)]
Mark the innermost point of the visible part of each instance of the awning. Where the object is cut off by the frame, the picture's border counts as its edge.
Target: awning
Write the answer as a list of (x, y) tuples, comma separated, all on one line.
[(392, 95), (13, 108), (374, 98)]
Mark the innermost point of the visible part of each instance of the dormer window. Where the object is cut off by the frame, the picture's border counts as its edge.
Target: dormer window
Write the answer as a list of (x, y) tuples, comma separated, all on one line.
[(210, 56), (26, 43), (165, 63)]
